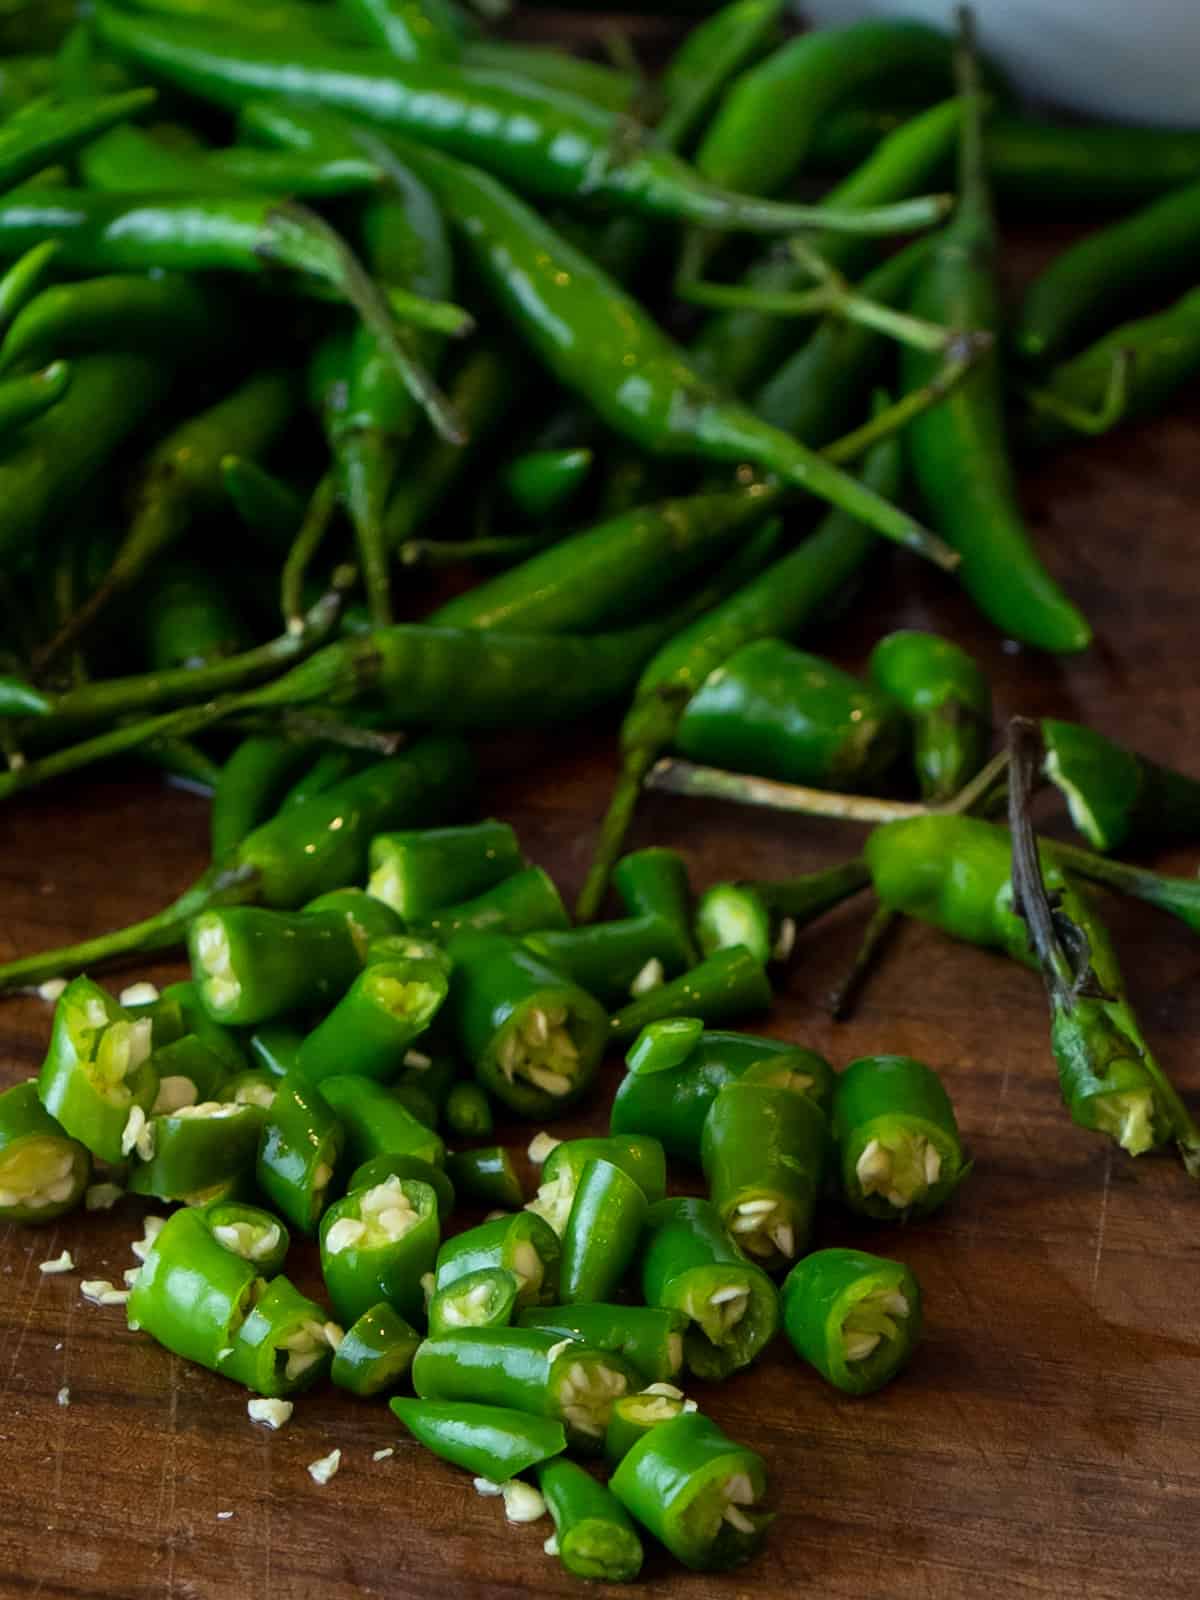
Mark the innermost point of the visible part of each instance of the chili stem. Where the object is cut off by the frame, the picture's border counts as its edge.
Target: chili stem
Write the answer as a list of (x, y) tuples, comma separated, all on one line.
[(961, 354), (1110, 410), (304, 547), (842, 1000)]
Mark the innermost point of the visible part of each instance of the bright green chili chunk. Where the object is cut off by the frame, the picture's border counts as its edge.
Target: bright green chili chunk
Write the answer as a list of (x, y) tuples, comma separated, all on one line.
[(385, 1010), (898, 1146), (97, 1080), (377, 1244), (422, 870), (485, 1298), (855, 1317), (596, 1538), (375, 1353), (42, 1173), (524, 1245)]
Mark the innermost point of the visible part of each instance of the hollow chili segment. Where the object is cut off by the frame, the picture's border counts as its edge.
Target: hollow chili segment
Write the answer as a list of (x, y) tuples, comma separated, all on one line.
[(615, 960), (97, 1080), (729, 984), (250, 1232), (421, 870), (377, 1169), (192, 1294), (525, 901), (491, 1441), (486, 1175), (285, 1344), (948, 701), (899, 1151), (387, 1007), (633, 1416), (375, 1353), (299, 1151), (654, 882), (43, 1173), (1116, 796), (855, 1317), (251, 964), (377, 1244), (640, 1157), (524, 1245), (649, 1338), (602, 1233), (485, 1298), (596, 1537), (533, 1037), (764, 1152), (376, 1123), (529, 1370), (190, 1148), (690, 1263), (696, 1491)]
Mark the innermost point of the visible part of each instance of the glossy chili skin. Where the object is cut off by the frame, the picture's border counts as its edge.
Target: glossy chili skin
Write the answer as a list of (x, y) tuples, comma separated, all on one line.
[(541, 483), (650, 1338), (493, 1442), (1116, 796), (193, 1151), (421, 870), (360, 1272), (949, 701), (44, 134), (671, 1106), (764, 1152), (389, 1005), (485, 1298), (609, 958), (263, 1353), (897, 1140), (1127, 265), (783, 713), (192, 1294), (595, 1535), (640, 1157), (833, 1294), (533, 1037), (959, 450), (97, 1069), (663, 1045), (673, 1480), (654, 882), (252, 964), (376, 1124), (376, 1352), (541, 140), (487, 1176), (376, 1169), (602, 1233), (633, 1416), (468, 1111), (299, 1152), (730, 984), (43, 1173), (687, 1258), (522, 902), (253, 780), (523, 1244)]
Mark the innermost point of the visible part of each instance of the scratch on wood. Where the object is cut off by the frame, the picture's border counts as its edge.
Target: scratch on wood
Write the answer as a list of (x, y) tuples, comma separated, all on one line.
[(1100, 1227), (30, 1307), (166, 1491)]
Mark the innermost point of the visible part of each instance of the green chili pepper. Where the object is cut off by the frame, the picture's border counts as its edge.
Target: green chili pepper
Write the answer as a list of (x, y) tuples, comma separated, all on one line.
[(671, 1106), (524, 1245), (798, 1071), (267, 504), (195, 1146), (222, 1042), (376, 1124), (388, 1006), (854, 1317), (1128, 263), (529, 1370), (764, 1154), (634, 1415), (379, 1168), (253, 781), (375, 1353), (97, 1080), (522, 902), (377, 1244), (533, 1037), (595, 1537), (130, 312), (1154, 356), (44, 133), (586, 581), (663, 1046), (1110, 1081), (469, 1111), (603, 86), (743, 148), (43, 1173), (640, 1158), (730, 914), (566, 306), (492, 1442), (284, 1345), (22, 282), (689, 1263), (959, 451), (696, 1491), (192, 1294), (781, 713), (410, 30), (650, 1338), (898, 1146), (249, 1232), (189, 618), (601, 1234), (613, 960), (425, 869), (252, 964), (487, 1176), (181, 481), (949, 701), (555, 146), (713, 52), (23, 400), (482, 1299), (654, 883), (541, 483), (778, 602), (299, 1153), (730, 984), (1114, 795), (187, 1062)]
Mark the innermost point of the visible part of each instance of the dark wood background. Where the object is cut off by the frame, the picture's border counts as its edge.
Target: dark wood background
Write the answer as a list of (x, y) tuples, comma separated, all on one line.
[(1044, 1440)]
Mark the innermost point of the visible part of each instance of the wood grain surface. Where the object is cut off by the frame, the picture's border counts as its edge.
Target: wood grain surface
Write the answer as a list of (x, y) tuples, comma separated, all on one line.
[(1043, 1442)]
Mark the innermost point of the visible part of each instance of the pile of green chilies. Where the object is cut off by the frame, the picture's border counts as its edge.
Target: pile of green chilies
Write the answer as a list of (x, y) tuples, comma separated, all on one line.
[(270, 521)]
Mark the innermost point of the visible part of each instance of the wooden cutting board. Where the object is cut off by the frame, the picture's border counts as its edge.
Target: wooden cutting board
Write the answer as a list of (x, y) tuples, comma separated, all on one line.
[(1044, 1440)]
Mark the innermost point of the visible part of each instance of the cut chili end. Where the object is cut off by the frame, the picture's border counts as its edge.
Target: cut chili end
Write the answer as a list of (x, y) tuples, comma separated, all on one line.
[(584, 1386), (222, 986), (877, 1319), (253, 1241), (901, 1169), (386, 1214), (538, 1048), (1128, 1118), (37, 1174), (554, 1199), (764, 1226)]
